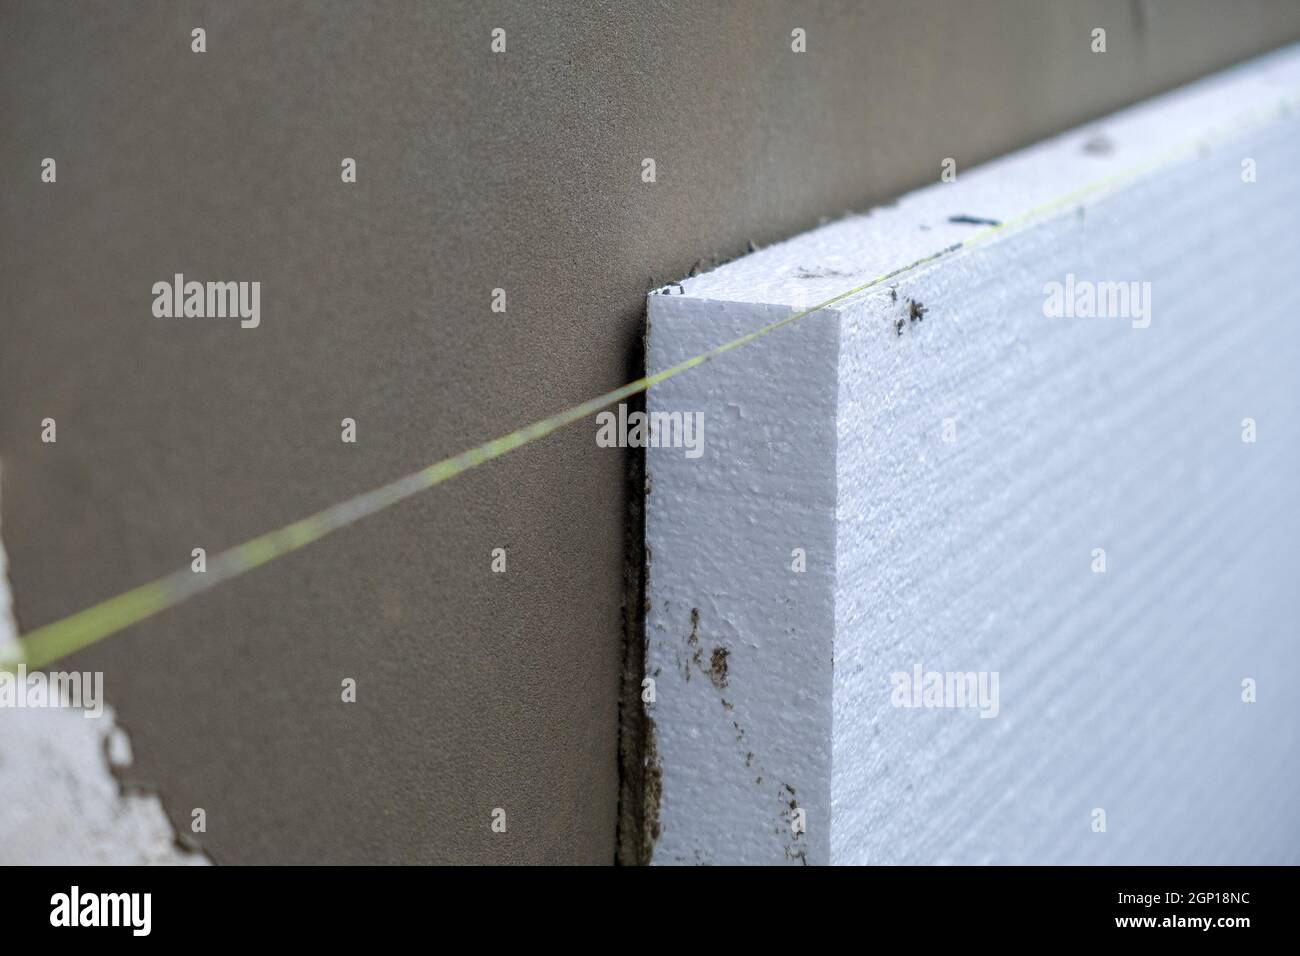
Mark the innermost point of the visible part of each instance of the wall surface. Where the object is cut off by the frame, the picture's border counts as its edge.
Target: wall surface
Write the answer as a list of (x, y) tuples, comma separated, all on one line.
[(519, 170)]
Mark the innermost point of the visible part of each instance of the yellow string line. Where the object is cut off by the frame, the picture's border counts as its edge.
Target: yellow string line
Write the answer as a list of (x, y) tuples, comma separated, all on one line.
[(51, 642)]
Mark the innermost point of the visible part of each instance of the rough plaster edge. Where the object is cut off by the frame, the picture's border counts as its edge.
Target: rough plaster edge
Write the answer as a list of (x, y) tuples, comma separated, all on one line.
[(639, 772), (9, 648), (60, 800)]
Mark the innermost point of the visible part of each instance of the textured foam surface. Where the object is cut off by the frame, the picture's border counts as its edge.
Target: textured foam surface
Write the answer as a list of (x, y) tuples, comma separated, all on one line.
[(950, 475)]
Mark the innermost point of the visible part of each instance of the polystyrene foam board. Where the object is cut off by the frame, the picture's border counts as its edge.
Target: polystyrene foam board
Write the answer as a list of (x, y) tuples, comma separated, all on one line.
[(949, 478)]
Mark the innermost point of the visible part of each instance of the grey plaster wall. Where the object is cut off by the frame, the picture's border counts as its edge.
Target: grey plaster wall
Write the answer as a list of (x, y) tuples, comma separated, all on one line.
[(476, 171)]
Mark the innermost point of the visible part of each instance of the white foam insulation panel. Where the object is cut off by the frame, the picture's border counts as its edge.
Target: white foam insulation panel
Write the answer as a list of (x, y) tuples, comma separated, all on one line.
[(954, 461)]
